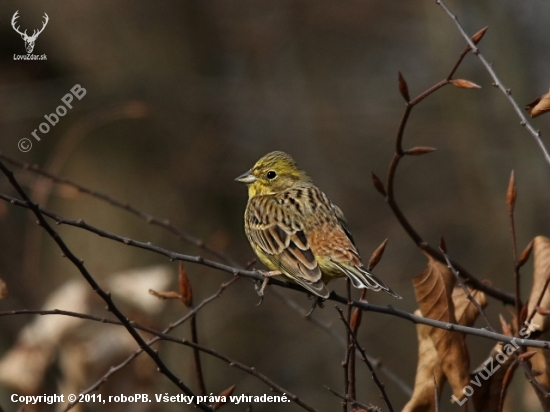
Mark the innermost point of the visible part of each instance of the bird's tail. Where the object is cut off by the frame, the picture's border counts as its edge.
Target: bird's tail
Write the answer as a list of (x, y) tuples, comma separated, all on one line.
[(362, 278)]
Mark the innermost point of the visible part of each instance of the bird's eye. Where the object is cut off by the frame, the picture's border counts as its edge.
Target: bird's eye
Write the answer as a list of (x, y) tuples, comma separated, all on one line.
[(271, 175)]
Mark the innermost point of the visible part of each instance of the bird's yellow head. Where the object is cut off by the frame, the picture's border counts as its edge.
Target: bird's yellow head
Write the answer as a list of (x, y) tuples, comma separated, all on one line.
[(273, 173)]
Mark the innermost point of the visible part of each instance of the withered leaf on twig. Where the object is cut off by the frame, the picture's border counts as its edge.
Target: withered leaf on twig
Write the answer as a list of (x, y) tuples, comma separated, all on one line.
[(466, 312), (541, 363), (490, 375), (541, 275), (539, 106), (434, 288), (428, 367)]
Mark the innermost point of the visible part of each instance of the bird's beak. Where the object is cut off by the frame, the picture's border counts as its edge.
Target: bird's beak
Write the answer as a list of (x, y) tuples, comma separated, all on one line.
[(247, 177)]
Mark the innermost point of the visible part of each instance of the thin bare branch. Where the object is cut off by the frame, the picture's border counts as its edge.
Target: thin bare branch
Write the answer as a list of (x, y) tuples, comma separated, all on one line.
[(172, 326), (353, 401), (79, 264), (164, 223), (389, 193), (389, 310), (364, 359), (497, 83)]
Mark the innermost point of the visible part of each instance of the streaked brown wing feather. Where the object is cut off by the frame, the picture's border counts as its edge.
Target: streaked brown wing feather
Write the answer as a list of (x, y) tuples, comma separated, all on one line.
[(333, 242), (286, 243)]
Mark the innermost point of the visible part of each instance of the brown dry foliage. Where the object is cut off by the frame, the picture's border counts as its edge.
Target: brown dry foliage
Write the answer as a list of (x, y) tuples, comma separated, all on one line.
[(442, 355), (539, 106)]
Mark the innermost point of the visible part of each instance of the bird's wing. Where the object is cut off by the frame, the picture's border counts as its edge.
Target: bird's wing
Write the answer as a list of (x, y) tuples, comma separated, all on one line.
[(334, 241), (343, 222), (275, 228)]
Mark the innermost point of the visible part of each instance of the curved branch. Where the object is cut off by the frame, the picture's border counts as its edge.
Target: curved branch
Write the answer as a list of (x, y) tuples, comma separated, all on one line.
[(389, 193)]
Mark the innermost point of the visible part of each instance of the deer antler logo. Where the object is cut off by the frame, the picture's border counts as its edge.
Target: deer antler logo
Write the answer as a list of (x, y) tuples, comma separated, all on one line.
[(29, 40)]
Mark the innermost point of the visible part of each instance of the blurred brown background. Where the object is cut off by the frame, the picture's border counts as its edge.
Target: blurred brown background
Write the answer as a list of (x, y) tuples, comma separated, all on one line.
[(184, 96)]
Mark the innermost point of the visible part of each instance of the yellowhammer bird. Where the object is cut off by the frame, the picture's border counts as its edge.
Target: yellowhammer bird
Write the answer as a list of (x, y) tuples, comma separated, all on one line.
[(297, 231)]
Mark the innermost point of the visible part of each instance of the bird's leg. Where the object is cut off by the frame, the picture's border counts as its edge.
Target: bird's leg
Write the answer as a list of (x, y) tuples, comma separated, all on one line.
[(317, 301), (260, 290)]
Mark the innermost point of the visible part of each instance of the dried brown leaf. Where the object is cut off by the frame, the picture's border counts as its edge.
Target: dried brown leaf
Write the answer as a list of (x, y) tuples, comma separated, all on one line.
[(466, 312), (433, 289), (428, 368), (378, 184), (465, 84), (170, 294), (541, 275), (403, 88), (377, 254), (541, 363), (185, 287), (227, 393), (511, 193), (505, 326), (539, 106), (486, 397)]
